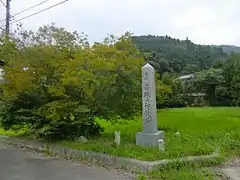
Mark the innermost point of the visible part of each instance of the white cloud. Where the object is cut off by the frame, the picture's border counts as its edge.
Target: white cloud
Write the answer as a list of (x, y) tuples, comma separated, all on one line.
[(203, 21)]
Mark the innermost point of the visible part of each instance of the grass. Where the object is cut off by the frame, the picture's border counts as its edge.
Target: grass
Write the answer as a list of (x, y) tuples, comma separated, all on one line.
[(185, 173), (11, 133), (202, 131)]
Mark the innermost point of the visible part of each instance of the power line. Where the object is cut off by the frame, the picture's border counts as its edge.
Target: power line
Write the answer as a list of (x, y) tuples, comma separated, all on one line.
[(3, 3), (38, 12), (30, 8), (27, 9)]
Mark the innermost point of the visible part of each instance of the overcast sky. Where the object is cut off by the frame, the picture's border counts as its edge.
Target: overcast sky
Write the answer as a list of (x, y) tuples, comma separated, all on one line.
[(202, 21)]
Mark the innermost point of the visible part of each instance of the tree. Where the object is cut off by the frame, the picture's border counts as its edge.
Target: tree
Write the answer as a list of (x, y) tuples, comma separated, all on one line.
[(208, 82), (67, 83), (174, 97), (182, 57), (231, 74)]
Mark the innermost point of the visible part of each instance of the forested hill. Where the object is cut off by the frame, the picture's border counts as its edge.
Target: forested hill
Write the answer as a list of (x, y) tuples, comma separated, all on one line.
[(178, 56)]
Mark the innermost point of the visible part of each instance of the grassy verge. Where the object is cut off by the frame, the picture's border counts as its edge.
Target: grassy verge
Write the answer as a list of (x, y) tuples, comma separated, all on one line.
[(185, 173), (202, 131)]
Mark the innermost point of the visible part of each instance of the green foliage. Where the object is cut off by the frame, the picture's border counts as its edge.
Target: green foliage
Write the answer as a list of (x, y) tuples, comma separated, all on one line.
[(163, 92), (221, 85), (176, 56), (186, 172), (53, 120), (174, 97), (67, 83), (208, 81), (232, 78), (216, 72)]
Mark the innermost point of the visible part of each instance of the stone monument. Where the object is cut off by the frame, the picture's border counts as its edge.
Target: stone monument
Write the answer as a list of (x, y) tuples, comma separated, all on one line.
[(150, 134)]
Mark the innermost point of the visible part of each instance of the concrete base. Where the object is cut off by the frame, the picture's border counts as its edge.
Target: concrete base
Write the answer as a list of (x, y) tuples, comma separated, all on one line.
[(149, 139)]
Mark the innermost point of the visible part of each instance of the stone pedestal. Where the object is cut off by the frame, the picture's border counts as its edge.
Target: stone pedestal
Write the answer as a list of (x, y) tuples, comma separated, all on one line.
[(149, 139)]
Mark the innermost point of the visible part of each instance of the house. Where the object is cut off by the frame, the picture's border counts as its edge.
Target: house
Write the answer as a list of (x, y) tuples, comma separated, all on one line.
[(195, 97)]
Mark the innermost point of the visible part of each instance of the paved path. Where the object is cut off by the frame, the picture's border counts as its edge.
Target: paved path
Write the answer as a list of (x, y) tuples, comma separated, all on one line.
[(19, 164), (233, 173), (232, 169)]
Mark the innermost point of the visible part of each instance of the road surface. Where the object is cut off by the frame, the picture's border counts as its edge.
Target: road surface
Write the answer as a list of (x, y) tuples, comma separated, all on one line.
[(233, 173), (20, 164)]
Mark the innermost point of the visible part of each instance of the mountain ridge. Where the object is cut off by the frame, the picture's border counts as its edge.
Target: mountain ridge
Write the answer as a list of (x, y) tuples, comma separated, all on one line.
[(172, 55), (227, 48)]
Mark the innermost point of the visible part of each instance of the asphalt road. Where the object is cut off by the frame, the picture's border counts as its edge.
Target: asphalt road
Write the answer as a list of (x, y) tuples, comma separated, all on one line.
[(233, 173), (20, 164)]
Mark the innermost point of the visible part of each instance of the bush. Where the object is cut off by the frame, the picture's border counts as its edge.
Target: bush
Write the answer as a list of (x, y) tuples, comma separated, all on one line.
[(176, 101), (66, 85), (54, 120), (170, 94)]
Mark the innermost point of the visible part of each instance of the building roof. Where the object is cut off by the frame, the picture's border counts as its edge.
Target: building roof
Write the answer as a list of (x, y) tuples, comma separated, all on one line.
[(186, 76), (197, 94)]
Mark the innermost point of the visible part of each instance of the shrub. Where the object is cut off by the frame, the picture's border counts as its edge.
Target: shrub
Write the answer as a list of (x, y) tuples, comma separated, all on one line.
[(65, 87)]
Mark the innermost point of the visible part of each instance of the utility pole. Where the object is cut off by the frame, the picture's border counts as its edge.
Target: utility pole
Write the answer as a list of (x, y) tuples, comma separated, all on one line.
[(7, 17)]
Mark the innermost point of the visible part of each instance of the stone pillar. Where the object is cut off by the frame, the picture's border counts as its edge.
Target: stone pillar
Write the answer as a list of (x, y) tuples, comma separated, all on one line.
[(150, 134)]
